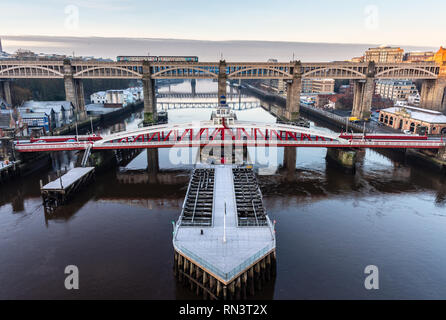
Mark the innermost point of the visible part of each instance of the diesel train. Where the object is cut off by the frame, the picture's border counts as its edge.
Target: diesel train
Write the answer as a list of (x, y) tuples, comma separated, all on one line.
[(158, 58)]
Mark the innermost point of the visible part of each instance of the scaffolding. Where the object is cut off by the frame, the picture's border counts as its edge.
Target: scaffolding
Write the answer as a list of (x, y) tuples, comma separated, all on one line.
[(197, 208), (250, 210)]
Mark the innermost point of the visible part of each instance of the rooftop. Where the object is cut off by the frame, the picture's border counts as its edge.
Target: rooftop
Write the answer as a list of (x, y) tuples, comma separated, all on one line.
[(425, 115), (57, 106)]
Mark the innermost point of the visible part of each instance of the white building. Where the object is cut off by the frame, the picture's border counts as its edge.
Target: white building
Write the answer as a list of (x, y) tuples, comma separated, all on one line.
[(98, 97), (396, 89), (122, 97), (60, 112), (414, 99)]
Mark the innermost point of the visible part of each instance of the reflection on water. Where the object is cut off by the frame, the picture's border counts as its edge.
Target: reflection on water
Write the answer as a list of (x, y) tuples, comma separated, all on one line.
[(330, 225)]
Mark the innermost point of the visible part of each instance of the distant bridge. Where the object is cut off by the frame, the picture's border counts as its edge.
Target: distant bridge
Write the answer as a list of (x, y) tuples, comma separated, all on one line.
[(188, 95), (244, 105)]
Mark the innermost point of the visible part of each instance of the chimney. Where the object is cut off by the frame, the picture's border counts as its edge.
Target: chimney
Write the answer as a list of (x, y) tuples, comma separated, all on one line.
[(1, 49)]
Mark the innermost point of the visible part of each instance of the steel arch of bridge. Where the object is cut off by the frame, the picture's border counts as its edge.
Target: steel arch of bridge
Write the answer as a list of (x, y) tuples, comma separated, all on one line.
[(259, 72), (405, 71), (34, 70), (119, 72), (194, 131), (206, 105), (334, 72), (183, 71)]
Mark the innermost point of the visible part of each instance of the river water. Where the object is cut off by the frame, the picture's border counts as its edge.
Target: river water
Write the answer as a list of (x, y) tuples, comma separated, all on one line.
[(330, 226)]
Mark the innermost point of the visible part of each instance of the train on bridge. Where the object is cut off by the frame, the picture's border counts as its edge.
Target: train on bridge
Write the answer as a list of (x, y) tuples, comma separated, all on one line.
[(157, 58)]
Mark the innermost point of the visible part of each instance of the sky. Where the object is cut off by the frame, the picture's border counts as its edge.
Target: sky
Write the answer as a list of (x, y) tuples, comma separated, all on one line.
[(403, 22)]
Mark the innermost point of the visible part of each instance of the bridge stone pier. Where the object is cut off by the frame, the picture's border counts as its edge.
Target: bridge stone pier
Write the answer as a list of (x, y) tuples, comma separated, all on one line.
[(152, 164), (150, 112), (289, 160), (193, 84), (363, 94), (5, 91), (74, 89), (433, 94), (294, 87), (344, 158), (222, 77)]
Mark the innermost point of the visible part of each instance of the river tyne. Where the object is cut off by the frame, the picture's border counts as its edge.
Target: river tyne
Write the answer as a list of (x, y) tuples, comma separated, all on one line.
[(330, 226)]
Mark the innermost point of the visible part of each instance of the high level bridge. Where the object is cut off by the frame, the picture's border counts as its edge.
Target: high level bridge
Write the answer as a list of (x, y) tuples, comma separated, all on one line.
[(363, 74)]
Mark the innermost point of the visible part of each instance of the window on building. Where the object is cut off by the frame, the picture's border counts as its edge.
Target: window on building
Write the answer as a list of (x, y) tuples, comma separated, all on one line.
[(412, 127)]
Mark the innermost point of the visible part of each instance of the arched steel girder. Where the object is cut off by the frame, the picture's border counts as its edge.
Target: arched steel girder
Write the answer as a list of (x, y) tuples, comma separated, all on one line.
[(52, 72), (271, 130)]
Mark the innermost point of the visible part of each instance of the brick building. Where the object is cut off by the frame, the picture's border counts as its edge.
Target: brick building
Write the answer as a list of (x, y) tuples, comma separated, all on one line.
[(411, 118)]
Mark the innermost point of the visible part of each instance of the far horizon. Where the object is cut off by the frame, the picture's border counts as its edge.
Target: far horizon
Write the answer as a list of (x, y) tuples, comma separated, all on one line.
[(206, 50)]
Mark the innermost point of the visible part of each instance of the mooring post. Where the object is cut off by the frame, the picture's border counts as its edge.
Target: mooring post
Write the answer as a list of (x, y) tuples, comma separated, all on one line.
[(251, 281), (197, 277), (258, 278), (212, 284), (238, 288), (218, 288), (204, 284), (244, 285), (175, 263), (60, 178), (191, 272)]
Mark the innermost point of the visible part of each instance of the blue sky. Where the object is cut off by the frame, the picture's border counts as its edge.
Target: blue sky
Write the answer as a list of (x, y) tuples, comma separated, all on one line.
[(402, 22)]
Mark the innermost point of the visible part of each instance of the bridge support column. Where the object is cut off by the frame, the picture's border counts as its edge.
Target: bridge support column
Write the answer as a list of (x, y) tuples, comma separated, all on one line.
[(433, 94), (152, 161), (150, 112), (74, 90), (5, 91), (193, 84), (80, 96), (441, 154), (343, 158), (289, 160), (222, 76), (294, 88), (363, 94), (362, 99)]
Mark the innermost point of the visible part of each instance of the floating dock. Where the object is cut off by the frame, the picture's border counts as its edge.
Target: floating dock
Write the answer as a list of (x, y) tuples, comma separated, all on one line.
[(224, 242), (57, 192), (8, 170)]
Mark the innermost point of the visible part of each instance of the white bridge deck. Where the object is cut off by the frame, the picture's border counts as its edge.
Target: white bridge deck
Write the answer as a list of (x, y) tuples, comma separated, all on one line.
[(243, 246), (67, 179)]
